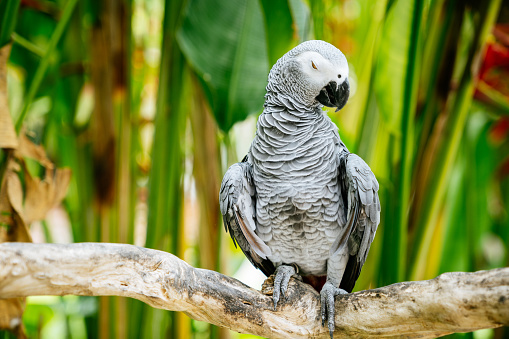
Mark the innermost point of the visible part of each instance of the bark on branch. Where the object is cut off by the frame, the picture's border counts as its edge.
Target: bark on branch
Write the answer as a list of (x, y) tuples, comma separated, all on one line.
[(452, 302)]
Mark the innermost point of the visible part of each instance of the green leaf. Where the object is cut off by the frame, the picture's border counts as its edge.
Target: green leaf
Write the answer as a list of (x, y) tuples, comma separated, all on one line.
[(8, 16), (225, 44), (279, 28), (301, 19), (452, 139), (45, 61), (391, 69), (166, 191), (396, 84), (318, 13)]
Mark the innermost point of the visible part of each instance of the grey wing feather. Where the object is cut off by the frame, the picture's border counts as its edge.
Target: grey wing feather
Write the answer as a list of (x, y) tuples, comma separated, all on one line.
[(362, 208), (237, 199)]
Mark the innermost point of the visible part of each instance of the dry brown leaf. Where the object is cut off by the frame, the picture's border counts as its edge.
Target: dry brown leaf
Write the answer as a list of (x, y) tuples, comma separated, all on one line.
[(14, 191), (27, 148), (11, 313), (17, 227), (43, 195), (62, 181), (12, 228), (19, 208), (39, 195), (6, 212), (8, 137)]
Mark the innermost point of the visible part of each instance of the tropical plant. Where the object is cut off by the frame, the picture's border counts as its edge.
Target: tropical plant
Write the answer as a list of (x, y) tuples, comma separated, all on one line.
[(149, 101)]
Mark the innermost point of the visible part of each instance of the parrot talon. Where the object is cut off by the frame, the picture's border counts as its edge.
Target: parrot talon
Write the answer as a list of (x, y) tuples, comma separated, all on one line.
[(283, 274), (327, 309)]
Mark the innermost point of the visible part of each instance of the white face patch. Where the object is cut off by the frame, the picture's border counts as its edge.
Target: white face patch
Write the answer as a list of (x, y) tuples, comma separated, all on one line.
[(320, 71), (303, 72)]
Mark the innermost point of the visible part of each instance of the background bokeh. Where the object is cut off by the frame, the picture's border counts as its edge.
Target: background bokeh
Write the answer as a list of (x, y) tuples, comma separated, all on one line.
[(149, 101)]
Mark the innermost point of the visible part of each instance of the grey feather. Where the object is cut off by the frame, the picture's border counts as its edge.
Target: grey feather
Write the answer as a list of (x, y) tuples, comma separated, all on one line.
[(237, 204)]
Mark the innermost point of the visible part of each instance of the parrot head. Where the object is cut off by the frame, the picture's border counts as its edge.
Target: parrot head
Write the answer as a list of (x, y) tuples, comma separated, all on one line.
[(313, 73)]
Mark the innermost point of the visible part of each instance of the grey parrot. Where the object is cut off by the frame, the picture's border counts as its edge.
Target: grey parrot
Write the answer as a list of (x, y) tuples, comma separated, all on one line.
[(299, 203)]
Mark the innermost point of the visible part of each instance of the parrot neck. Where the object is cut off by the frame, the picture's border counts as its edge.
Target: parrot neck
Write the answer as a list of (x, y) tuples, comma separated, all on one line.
[(277, 102), (286, 121), (281, 124), (288, 141)]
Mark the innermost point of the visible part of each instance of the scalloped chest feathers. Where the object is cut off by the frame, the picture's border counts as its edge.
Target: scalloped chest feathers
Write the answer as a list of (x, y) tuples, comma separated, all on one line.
[(295, 172)]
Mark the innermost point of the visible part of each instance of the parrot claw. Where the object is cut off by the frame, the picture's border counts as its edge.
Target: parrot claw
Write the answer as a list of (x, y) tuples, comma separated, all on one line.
[(283, 274), (327, 309)]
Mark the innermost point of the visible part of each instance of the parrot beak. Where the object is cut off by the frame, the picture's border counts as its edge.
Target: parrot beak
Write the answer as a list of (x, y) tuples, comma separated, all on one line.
[(333, 95)]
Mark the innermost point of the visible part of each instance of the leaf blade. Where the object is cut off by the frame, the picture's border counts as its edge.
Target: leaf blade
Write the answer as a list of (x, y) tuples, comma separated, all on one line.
[(234, 70)]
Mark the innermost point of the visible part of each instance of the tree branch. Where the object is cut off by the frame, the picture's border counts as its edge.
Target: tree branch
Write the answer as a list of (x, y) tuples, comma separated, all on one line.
[(452, 302)]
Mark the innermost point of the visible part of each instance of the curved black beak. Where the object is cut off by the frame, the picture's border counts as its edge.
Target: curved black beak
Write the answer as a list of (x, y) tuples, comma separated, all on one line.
[(333, 95)]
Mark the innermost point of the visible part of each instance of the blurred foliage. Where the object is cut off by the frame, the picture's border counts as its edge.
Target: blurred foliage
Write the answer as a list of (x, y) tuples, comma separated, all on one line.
[(149, 101)]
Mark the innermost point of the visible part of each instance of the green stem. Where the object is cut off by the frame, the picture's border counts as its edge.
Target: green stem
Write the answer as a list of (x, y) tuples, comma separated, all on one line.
[(407, 140), (8, 16), (45, 61), (28, 45), (318, 13), (166, 177)]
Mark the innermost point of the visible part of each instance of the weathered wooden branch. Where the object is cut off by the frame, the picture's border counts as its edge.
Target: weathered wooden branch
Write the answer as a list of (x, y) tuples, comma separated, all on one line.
[(452, 302)]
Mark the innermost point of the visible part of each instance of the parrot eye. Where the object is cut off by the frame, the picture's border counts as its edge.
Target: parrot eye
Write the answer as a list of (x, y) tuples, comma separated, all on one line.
[(339, 76), (313, 64)]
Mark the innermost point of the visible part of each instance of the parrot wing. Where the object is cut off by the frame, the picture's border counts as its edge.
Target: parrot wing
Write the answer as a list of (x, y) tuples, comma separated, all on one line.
[(237, 199), (359, 190)]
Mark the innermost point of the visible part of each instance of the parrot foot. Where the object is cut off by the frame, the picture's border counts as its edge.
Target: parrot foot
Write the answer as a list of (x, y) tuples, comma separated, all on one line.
[(327, 294), (283, 274)]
